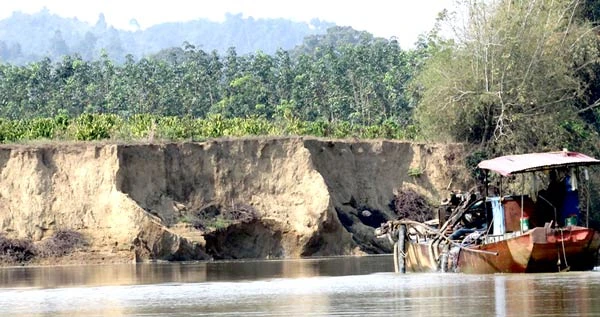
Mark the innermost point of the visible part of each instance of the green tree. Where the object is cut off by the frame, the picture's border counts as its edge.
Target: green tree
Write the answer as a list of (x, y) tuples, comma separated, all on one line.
[(508, 79)]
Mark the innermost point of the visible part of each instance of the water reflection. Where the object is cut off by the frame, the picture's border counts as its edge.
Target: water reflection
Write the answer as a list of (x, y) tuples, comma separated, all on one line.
[(500, 296), (193, 272), (540, 294), (327, 286)]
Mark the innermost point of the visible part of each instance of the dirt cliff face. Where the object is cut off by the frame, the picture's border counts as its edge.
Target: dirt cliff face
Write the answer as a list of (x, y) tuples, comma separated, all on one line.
[(246, 198)]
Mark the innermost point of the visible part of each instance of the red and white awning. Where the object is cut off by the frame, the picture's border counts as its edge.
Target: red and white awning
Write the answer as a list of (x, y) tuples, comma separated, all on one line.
[(521, 163)]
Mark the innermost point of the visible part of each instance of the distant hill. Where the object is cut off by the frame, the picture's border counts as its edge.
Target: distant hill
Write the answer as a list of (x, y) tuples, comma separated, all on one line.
[(31, 37)]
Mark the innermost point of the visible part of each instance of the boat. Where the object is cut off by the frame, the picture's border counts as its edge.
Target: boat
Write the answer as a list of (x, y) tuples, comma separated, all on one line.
[(535, 219)]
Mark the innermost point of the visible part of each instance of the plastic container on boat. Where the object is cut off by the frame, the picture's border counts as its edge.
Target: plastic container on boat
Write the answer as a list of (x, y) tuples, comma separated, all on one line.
[(524, 223), (571, 221)]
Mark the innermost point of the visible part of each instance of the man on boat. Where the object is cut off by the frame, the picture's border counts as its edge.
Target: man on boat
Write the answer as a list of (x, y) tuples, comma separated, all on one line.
[(470, 224), (551, 198), (562, 196)]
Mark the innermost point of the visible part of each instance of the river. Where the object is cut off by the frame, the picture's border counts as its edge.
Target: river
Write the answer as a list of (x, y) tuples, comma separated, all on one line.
[(339, 286)]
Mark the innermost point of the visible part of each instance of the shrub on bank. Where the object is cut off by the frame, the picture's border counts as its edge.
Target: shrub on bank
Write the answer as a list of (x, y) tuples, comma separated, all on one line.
[(16, 250), (408, 204), (216, 217), (60, 243)]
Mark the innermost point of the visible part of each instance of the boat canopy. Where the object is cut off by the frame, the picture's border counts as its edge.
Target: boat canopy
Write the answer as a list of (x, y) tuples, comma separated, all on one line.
[(521, 163)]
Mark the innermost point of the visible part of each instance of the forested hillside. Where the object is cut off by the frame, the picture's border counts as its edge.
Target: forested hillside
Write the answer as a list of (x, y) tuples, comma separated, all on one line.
[(511, 77), (31, 37)]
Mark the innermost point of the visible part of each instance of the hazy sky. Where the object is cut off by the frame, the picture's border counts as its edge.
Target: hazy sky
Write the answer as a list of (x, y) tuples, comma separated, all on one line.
[(404, 19)]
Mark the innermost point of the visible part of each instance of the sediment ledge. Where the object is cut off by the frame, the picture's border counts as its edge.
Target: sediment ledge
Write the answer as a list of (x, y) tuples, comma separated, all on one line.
[(220, 199)]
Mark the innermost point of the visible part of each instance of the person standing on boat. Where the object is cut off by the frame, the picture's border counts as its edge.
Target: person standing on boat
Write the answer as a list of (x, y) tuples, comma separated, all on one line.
[(564, 197), (552, 199), (555, 191)]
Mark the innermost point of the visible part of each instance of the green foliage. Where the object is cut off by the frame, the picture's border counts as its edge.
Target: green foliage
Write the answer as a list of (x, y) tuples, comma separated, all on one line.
[(372, 131), (141, 125), (174, 128), (390, 129), (471, 161), (218, 222), (361, 79), (415, 171), (256, 126), (12, 130), (511, 79), (317, 128), (94, 127), (41, 128), (343, 129), (91, 127), (214, 126)]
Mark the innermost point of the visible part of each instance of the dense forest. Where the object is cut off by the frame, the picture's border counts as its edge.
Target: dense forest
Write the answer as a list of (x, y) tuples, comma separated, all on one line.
[(504, 76), (343, 80)]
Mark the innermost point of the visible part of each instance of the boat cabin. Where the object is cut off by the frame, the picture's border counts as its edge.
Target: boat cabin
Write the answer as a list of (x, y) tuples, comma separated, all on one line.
[(548, 184)]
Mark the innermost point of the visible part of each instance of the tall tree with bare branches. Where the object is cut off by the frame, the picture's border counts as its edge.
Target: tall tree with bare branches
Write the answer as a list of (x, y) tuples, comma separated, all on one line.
[(508, 77)]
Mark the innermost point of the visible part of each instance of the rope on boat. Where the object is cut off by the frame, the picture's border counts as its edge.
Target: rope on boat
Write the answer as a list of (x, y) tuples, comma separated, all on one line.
[(562, 241)]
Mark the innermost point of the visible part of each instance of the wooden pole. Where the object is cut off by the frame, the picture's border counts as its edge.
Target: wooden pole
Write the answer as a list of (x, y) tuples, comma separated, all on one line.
[(522, 202), (587, 197), (401, 249), (396, 257)]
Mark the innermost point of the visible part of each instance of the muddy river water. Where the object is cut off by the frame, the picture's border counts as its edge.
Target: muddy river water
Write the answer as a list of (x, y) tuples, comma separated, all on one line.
[(341, 286)]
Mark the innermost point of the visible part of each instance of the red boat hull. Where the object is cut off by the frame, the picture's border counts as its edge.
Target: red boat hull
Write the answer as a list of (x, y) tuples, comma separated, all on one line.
[(538, 250)]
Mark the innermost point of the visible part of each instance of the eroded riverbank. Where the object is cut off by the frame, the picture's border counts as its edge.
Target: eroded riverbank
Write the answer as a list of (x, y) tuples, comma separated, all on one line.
[(220, 199)]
